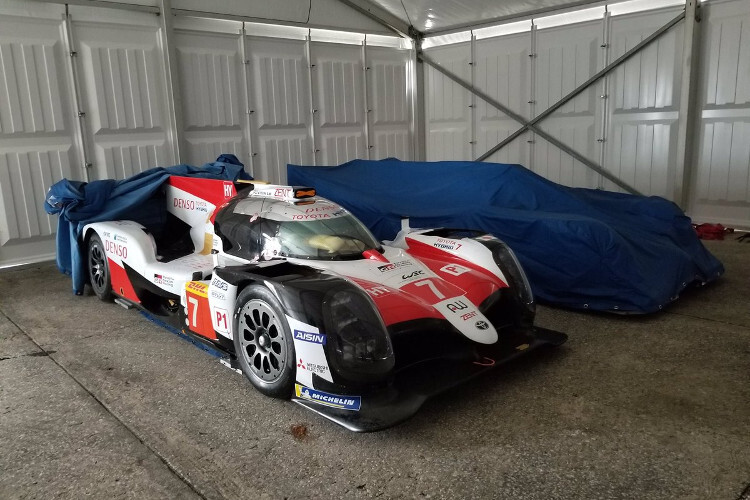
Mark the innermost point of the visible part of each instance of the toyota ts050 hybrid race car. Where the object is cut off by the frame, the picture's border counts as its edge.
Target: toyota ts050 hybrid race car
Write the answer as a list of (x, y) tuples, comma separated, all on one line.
[(297, 293)]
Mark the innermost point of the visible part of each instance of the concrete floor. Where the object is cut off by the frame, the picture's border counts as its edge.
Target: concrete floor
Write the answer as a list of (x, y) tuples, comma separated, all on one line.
[(95, 400)]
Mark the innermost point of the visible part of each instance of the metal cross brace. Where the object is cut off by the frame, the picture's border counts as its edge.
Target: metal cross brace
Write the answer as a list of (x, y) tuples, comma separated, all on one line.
[(531, 124)]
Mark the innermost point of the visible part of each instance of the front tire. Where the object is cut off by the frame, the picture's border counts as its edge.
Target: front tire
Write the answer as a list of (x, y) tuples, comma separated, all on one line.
[(98, 266), (263, 342)]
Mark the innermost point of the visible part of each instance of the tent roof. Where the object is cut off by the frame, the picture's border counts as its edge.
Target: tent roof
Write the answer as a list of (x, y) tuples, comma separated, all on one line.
[(441, 16)]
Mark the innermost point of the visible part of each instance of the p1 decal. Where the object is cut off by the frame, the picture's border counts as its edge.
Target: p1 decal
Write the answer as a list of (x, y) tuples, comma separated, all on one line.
[(454, 269), (352, 403), (221, 318), (313, 338)]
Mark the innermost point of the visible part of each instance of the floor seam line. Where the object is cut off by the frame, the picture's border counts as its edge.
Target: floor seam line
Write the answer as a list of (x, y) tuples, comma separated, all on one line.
[(712, 320), (163, 459)]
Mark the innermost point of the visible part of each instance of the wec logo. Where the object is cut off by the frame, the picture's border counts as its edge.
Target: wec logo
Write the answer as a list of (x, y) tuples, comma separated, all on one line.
[(412, 275), (313, 338)]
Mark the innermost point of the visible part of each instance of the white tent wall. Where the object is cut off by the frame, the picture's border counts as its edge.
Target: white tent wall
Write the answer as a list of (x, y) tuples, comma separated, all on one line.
[(38, 133), (271, 95), (626, 121), (721, 190), (643, 104), (503, 70), (447, 105)]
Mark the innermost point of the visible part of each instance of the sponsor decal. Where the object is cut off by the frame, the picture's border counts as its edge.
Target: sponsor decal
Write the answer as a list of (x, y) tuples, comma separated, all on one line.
[(228, 189), (377, 291), (456, 306), (482, 325), (446, 244), (218, 295), (454, 269), (220, 284), (311, 216), (485, 237), (333, 400), (116, 249), (184, 203), (468, 315), (162, 279), (393, 265), (120, 238), (324, 208), (107, 234), (195, 287), (414, 274), (313, 338), (312, 367)]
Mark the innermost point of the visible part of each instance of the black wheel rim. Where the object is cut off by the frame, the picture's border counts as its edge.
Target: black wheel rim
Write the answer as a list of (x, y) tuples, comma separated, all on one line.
[(97, 267), (262, 342)]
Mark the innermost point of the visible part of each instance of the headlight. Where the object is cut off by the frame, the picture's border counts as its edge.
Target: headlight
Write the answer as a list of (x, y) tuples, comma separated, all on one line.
[(510, 266), (362, 346)]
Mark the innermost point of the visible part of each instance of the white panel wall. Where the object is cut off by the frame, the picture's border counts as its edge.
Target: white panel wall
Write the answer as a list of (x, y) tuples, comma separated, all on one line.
[(125, 99), (503, 71), (249, 95), (211, 83), (567, 56), (625, 122), (449, 117), (643, 104), (280, 106), (389, 115), (722, 180), (37, 133), (338, 103)]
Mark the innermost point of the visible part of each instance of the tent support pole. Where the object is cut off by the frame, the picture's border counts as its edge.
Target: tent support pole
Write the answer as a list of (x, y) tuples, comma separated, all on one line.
[(541, 133), (379, 15), (174, 96), (687, 111)]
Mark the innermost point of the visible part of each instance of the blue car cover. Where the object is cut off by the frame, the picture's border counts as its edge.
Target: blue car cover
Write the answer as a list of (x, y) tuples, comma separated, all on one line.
[(580, 248), (135, 198)]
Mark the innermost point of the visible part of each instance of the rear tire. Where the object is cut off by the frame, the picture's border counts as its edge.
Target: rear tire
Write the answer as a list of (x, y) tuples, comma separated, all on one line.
[(263, 342), (98, 266)]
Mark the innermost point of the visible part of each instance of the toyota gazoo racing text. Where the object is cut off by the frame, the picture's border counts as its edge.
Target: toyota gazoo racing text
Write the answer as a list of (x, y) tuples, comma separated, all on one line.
[(299, 296)]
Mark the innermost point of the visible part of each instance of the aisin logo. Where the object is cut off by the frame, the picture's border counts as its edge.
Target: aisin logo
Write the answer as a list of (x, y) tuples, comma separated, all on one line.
[(482, 325)]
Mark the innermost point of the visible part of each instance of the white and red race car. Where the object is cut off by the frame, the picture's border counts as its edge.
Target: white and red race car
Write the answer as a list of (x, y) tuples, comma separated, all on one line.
[(297, 293)]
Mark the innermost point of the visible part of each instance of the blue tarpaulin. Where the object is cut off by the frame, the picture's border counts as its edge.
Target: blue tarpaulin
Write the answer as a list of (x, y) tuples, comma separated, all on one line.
[(135, 198), (580, 248)]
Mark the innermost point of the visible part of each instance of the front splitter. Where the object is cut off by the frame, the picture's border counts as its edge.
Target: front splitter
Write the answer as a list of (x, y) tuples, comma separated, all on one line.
[(414, 385)]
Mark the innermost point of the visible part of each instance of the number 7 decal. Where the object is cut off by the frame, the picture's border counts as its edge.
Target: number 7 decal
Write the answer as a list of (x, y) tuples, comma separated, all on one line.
[(192, 301), (429, 284)]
